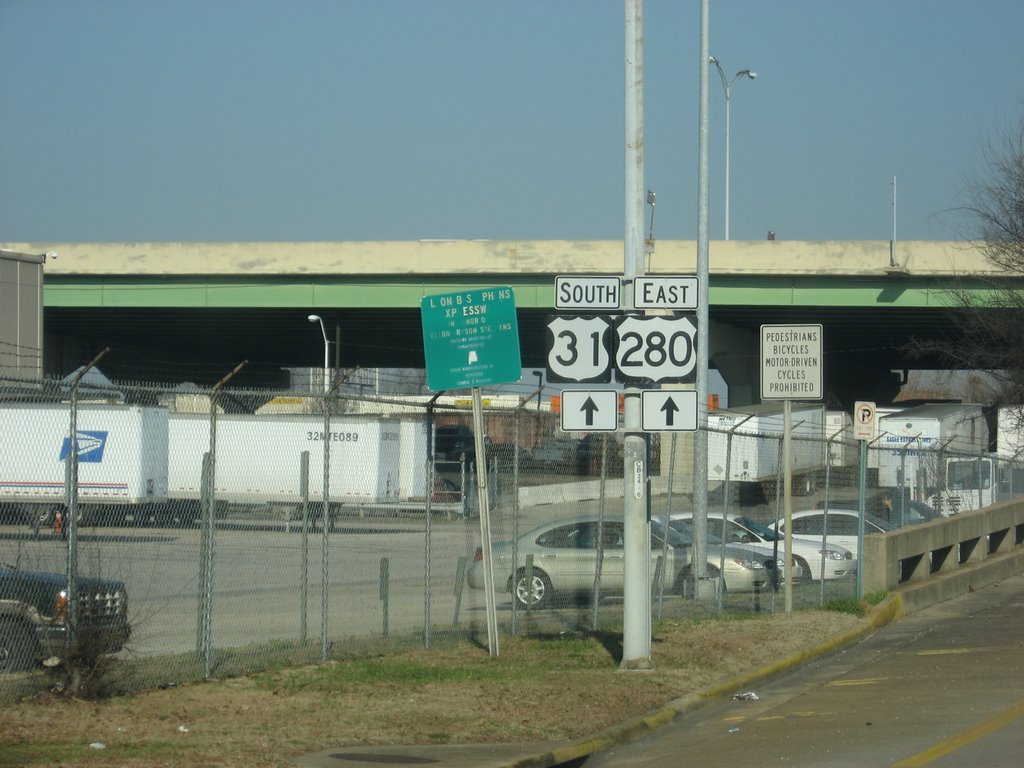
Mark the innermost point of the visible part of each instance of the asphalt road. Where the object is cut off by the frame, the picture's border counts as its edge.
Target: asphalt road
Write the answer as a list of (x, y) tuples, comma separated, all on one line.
[(943, 687)]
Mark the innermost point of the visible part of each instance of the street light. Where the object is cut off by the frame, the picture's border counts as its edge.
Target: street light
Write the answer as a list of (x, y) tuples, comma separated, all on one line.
[(727, 85), (327, 350)]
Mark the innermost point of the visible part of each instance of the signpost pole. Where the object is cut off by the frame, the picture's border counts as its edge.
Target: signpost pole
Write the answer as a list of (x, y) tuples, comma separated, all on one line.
[(484, 505), (787, 451), (791, 362), (861, 486), (864, 414), (471, 339), (636, 604)]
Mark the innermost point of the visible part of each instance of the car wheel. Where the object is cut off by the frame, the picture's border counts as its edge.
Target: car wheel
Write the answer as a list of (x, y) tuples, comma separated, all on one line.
[(536, 593), (18, 646)]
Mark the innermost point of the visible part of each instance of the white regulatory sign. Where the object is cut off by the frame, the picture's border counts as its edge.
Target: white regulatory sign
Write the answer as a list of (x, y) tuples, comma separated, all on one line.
[(791, 362), (661, 349), (665, 292), (863, 420), (579, 349), (590, 292), (668, 410), (590, 411)]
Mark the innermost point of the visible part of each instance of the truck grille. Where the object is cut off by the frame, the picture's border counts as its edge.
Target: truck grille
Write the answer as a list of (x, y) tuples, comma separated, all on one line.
[(102, 604)]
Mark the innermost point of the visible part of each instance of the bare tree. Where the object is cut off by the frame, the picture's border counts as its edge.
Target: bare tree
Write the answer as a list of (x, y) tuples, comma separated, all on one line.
[(989, 334), (996, 203)]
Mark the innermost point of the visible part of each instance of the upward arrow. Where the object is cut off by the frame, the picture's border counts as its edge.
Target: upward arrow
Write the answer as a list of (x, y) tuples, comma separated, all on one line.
[(589, 407), (670, 408)]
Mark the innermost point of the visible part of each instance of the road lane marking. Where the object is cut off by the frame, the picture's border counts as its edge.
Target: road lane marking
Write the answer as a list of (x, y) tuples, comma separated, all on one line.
[(944, 652), (964, 738), (862, 681)]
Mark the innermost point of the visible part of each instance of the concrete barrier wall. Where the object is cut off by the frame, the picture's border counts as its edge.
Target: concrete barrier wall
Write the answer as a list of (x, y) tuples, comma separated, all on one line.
[(938, 560)]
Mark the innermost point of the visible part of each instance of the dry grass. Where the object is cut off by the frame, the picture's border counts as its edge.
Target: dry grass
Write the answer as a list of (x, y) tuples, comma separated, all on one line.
[(559, 687)]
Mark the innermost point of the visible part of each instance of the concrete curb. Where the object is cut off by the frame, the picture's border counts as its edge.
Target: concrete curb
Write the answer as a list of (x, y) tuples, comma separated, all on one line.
[(909, 598), (887, 611)]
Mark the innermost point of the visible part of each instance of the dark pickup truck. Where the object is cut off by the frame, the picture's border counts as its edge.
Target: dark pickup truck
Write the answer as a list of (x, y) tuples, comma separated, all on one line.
[(34, 616)]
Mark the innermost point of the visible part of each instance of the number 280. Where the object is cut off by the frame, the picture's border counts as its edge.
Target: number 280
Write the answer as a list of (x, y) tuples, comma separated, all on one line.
[(655, 349)]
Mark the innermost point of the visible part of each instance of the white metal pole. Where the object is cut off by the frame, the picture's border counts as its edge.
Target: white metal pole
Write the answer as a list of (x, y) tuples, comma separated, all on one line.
[(636, 635), (787, 440), (702, 589), (728, 103), (327, 363)]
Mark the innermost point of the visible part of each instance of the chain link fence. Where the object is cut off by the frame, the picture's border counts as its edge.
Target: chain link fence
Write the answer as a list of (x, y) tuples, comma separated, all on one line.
[(198, 534)]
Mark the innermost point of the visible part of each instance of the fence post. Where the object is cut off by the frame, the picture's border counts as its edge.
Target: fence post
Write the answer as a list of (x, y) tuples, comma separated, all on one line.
[(70, 528), (600, 537), (660, 575), (208, 528), (384, 587), (325, 529), (304, 495), (460, 580), (205, 507)]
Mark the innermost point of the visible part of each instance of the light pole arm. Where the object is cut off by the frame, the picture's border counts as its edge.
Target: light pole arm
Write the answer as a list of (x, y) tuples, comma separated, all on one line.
[(727, 85)]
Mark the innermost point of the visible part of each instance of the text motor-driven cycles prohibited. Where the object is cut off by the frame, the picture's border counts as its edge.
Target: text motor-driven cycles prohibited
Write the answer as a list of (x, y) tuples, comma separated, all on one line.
[(791, 362), (579, 349), (658, 349)]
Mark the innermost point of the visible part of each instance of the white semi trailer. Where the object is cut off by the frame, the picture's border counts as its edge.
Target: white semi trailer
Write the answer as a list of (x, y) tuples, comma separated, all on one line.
[(937, 453), (144, 464), (374, 460), (121, 450), (755, 459)]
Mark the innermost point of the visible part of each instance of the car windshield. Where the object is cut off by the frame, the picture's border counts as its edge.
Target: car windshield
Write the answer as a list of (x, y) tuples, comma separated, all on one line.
[(760, 529), (677, 536), (684, 529)]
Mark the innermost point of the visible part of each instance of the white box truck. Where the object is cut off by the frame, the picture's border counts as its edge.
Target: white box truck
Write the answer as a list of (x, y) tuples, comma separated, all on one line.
[(936, 453), (122, 458), (754, 458)]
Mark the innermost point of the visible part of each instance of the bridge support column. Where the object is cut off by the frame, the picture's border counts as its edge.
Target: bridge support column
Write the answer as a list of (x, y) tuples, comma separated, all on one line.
[(735, 355)]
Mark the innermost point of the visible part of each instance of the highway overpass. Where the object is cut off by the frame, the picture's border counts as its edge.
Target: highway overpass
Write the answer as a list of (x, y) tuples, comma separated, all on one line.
[(194, 310)]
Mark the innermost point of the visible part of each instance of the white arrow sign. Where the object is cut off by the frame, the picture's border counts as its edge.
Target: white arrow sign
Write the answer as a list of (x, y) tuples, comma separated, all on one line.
[(593, 411), (668, 410)]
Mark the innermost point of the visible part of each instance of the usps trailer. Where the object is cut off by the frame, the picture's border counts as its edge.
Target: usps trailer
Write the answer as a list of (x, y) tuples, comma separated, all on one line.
[(754, 458), (121, 451), (936, 453), (374, 460)]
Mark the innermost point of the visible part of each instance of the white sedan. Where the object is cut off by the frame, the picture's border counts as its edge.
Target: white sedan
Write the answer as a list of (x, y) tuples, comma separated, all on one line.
[(842, 526), (834, 560)]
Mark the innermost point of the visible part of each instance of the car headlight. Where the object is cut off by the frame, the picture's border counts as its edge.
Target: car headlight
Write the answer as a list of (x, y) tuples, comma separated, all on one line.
[(832, 554), (749, 564)]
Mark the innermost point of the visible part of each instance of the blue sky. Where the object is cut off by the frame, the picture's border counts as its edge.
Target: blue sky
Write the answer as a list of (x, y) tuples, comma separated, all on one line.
[(232, 120)]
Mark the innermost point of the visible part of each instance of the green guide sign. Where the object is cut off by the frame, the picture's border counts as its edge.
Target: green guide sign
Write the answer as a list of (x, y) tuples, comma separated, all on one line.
[(471, 338)]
